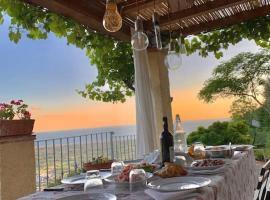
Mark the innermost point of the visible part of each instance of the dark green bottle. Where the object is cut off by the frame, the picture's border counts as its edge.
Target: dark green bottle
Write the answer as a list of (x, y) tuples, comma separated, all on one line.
[(166, 143)]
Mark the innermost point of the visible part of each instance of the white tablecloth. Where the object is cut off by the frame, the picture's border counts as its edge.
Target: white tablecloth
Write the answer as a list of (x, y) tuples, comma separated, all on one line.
[(237, 182)]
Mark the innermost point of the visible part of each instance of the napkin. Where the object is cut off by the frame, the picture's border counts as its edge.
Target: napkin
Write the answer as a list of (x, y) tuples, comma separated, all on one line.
[(183, 195), (152, 157)]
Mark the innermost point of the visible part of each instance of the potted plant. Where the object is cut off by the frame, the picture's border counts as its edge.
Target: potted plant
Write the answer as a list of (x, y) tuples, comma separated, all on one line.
[(15, 119), (97, 164)]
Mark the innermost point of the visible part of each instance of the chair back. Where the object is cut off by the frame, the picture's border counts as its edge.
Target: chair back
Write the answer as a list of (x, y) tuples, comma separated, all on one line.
[(262, 190)]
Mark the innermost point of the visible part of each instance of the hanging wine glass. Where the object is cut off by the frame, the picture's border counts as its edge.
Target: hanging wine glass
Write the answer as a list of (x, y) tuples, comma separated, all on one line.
[(182, 46), (139, 39), (112, 20), (155, 20), (173, 59)]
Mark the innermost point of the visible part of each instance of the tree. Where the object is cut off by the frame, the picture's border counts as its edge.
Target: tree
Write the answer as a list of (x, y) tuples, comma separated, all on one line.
[(267, 94), (219, 133), (113, 58), (243, 77), (243, 109)]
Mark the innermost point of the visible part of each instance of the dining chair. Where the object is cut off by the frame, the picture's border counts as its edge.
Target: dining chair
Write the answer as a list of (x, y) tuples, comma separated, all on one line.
[(263, 191)]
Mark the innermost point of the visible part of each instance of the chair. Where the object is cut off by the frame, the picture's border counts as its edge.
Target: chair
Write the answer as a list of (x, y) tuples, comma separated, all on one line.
[(262, 190)]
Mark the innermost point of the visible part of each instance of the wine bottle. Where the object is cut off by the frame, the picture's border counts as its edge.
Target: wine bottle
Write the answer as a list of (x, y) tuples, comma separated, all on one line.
[(166, 143)]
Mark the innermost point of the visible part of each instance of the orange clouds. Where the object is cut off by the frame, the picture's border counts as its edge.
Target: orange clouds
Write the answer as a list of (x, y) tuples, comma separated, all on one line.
[(187, 104), (97, 114)]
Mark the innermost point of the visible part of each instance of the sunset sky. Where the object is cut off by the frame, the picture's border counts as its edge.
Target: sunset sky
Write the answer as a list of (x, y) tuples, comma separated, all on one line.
[(46, 73)]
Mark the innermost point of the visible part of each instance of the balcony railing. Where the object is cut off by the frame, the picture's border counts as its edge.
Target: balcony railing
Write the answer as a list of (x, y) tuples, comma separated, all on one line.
[(62, 157)]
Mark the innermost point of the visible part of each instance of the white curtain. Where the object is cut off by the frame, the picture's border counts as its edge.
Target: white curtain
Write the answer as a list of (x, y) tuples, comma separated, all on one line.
[(147, 140)]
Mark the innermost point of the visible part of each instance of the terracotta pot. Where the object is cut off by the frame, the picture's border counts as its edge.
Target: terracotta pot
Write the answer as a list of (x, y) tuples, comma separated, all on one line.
[(16, 127), (90, 166)]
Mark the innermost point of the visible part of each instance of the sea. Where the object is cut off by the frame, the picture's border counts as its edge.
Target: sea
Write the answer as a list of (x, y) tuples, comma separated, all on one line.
[(189, 126)]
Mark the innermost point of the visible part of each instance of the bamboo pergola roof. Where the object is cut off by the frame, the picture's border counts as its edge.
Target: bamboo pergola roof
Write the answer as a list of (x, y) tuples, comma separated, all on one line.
[(186, 16)]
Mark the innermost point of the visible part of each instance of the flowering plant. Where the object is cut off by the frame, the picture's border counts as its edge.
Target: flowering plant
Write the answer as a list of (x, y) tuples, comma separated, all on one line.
[(18, 108)]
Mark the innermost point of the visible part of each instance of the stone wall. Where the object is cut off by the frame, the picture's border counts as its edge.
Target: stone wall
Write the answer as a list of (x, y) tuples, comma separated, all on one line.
[(17, 167)]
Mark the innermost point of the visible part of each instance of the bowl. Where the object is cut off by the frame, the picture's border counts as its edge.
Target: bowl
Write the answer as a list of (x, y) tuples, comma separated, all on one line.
[(218, 152), (97, 166)]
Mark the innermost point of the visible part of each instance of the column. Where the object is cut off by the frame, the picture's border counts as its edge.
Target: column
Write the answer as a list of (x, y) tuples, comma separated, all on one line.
[(160, 85), (17, 166)]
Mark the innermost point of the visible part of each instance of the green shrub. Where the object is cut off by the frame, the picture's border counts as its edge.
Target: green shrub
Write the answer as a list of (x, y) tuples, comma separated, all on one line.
[(259, 154), (218, 133)]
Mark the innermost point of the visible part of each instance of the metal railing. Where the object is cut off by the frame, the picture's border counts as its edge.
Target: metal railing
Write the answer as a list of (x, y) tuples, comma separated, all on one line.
[(61, 157)]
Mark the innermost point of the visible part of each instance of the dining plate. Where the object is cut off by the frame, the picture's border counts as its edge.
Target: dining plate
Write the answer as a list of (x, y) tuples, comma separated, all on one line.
[(80, 179), (178, 183), (192, 167), (242, 147), (92, 196)]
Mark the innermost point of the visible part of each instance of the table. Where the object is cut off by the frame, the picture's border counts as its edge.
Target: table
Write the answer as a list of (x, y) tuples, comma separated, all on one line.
[(236, 182)]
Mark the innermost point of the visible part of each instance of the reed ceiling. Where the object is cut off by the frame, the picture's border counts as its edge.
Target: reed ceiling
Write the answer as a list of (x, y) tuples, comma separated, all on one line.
[(186, 16)]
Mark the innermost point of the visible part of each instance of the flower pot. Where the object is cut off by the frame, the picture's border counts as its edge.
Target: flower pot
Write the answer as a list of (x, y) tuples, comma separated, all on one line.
[(98, 166), (16, 127)]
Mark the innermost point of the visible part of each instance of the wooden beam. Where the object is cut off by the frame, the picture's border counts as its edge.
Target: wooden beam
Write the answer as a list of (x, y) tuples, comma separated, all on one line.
[(84, 12), (228, 21)]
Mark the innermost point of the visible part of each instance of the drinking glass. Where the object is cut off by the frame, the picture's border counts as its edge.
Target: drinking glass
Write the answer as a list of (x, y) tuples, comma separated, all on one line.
[(137, 179), (117, 167), (199, 150), (93, 180)]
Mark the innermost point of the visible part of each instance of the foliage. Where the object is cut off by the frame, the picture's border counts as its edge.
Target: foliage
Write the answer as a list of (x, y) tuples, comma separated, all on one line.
[(248, 111), (15, 108), (196, 135), (256, 30), (259, 154), (236, 132), (243, 109), (98, 160), (267, 93), (243, 77), (113, 59)]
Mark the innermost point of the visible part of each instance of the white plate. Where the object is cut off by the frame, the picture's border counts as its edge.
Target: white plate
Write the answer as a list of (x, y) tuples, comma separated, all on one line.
[(80, 179), (92, 196), (242, 147), (208, 167), (178, 183)]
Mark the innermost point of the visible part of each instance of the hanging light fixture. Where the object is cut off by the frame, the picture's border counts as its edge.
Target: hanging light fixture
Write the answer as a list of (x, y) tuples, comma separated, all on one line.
[(155, 20), (173, 59), (139, 39), (112, 20)]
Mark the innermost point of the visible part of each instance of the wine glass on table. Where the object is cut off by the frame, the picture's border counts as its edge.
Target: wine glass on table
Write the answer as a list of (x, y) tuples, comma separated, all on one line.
[(117, 167), (137, 179), (93, 180)]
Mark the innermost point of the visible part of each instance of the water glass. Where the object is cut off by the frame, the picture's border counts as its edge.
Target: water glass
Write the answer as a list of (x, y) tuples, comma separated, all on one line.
[(93, 180), (199, 150), (137, 179), (117, 167)]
